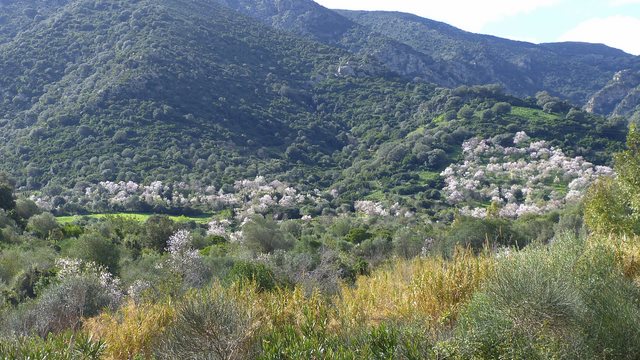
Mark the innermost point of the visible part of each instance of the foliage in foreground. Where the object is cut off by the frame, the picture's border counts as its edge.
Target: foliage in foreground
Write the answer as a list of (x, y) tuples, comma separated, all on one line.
[(66, 346), (569, 300), (541, 302), (613, 204)]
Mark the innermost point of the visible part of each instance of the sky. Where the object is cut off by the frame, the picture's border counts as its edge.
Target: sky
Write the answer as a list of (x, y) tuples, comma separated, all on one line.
[(612, 22)]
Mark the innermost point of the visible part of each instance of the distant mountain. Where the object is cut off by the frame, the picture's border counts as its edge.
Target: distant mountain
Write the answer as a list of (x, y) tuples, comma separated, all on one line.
[(574, 71), (307, 18), (415, 47), (193, 90)]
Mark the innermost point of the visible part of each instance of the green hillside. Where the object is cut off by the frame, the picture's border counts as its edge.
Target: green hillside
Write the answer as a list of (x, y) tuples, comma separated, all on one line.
[(414, 47), (154, 88), (191, 91), (270, 179)]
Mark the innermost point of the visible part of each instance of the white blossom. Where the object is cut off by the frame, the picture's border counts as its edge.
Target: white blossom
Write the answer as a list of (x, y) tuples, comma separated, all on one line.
[(493, 173), (520, 137)]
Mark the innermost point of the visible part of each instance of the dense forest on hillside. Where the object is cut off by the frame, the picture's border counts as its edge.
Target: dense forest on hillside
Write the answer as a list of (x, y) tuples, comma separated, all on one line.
[(129, 91)]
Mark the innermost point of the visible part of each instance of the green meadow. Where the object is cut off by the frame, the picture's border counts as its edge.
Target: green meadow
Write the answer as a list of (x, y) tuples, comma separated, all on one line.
[(200, 219)]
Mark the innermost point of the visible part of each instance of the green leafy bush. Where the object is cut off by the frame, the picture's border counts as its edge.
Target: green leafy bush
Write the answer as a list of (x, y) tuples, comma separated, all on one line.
[(262, 235), (260, 274), (95, 248), (478, 233)]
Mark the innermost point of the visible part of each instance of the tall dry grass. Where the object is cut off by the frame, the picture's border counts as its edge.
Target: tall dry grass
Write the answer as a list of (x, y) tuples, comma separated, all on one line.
[(626, 250), (429, 290), (132, 330)]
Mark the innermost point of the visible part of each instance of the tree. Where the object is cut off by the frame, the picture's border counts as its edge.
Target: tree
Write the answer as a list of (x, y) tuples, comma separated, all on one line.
[(613, 204), (501, 108), (7, 202), (488, 115), (92, 247), (606, 208), (42, 224), (627, 166), (466, 112), (158, 230), (26, 208)]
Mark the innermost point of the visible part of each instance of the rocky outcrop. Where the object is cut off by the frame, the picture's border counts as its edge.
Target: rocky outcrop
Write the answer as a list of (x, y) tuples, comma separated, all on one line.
[(620, 97), (630, 104)]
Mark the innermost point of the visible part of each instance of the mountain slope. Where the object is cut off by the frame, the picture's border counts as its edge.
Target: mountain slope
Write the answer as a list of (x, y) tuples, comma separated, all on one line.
[(620, 97), (16, 15), (151, 82), (308, 19), (192, 91), (418, 48), (574, 71)]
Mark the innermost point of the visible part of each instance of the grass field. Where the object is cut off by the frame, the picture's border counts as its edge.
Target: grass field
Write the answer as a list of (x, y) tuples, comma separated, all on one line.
[(532, 113), (203, 219)]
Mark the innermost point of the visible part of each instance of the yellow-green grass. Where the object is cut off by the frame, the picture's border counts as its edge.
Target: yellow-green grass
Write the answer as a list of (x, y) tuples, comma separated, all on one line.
[(419, 131), (530, 113), (202, 219), (428, 175)]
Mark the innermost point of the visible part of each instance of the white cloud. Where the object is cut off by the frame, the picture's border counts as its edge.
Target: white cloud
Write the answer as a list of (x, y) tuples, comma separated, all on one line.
[(616, 31), (471, 15), (623, 2)]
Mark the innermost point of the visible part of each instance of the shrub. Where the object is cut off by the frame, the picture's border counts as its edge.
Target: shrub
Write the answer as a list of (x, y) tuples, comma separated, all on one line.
[(7, 202), (26, 208), (301, 329), (611, 300), (488, 115), (93, 247), (466, 112), (80, 290), (407, 243), (264, 236), (60, 307), (208, 325), (72, 230), (565, 301), (501, 108), (42, 224), (613, 204), (376, 249), (430, 290), (6, 221), (358, 235), (260, 274), (158, 230), (29, 283), (535, 228), (607, 209), (476, 233), (66, 346)]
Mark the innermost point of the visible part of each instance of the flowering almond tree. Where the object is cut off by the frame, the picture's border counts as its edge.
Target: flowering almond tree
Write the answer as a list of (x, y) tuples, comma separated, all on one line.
[(529, 177)]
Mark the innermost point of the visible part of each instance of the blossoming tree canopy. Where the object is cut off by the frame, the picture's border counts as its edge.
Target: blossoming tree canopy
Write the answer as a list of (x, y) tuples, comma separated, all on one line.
[(530, 177)]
